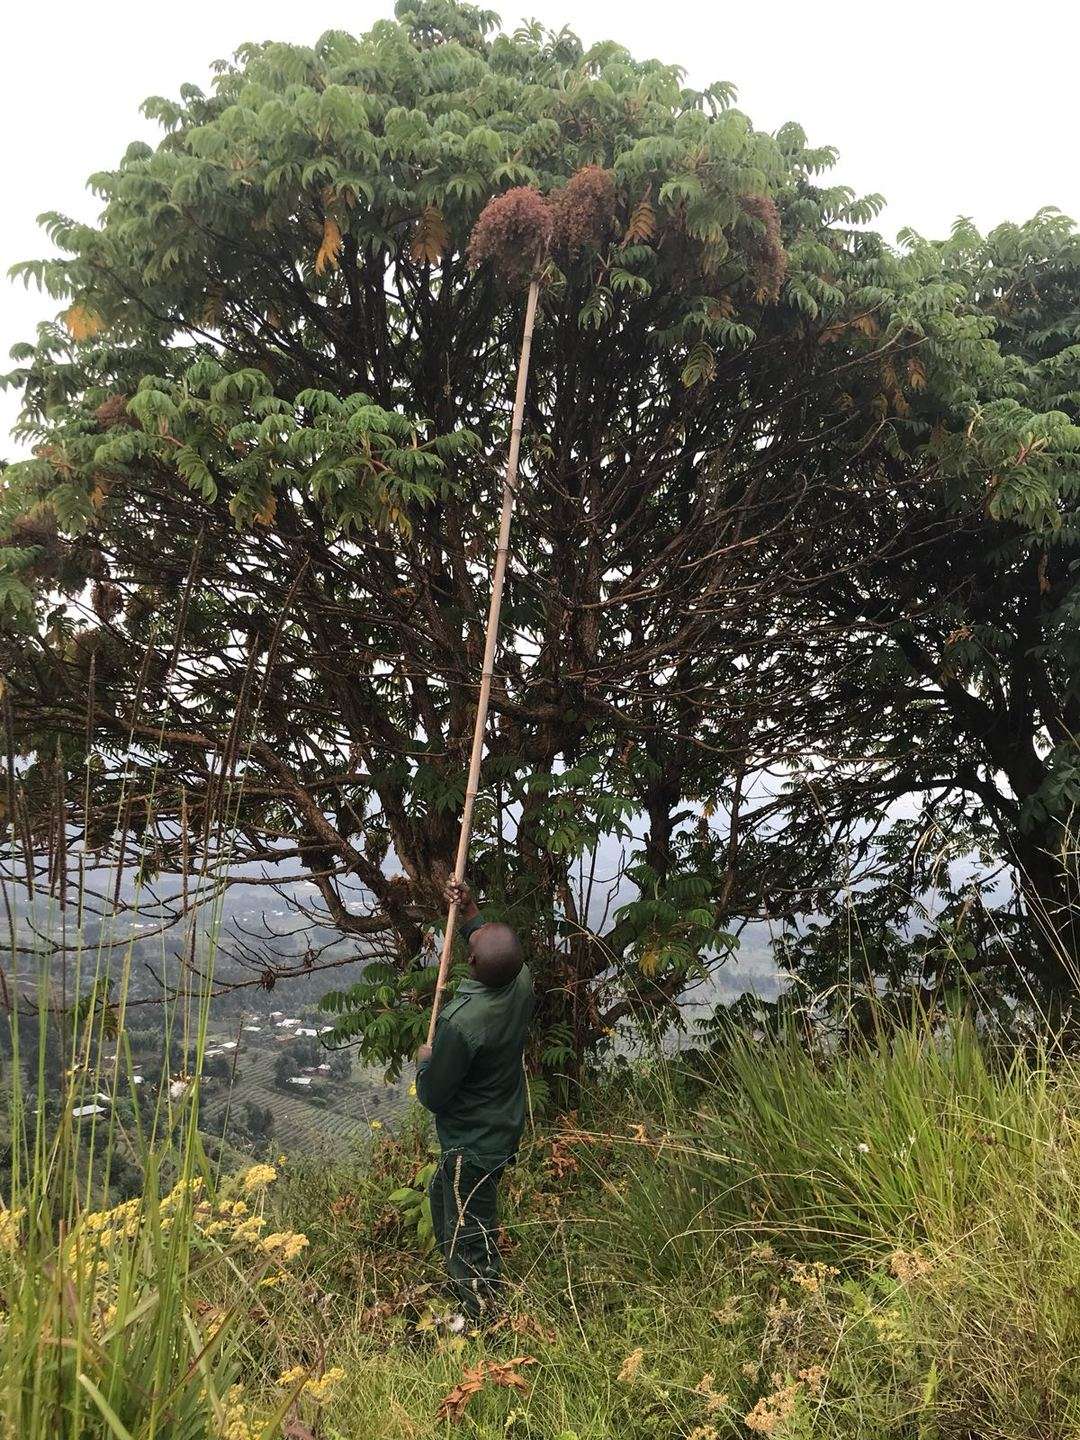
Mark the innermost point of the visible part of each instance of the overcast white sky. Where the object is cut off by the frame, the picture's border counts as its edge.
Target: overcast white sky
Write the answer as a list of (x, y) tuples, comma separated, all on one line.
[(959, 107)]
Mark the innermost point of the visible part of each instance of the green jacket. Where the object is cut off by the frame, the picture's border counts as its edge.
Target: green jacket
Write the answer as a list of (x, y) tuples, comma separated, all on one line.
[(474, 1082)]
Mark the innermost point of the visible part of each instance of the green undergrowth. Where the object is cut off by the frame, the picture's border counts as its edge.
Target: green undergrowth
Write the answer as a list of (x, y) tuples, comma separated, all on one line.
[(875, 1243)]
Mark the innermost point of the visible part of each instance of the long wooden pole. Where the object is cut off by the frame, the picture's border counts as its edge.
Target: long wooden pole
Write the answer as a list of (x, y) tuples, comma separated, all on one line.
[(490, 641)]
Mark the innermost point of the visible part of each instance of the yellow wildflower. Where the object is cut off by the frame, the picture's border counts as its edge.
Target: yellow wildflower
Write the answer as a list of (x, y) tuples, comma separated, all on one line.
[(887, 1325), (811, 1277), (258, 1177), (237, 1423), (319, 1390), (316, 1388), (249, 1230), (107, 1226), (376, 1124), (284, 1245), (180, 1192)]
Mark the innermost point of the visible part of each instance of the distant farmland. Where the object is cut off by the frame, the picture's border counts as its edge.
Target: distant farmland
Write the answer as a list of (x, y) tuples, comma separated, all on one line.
[(328, 1115)]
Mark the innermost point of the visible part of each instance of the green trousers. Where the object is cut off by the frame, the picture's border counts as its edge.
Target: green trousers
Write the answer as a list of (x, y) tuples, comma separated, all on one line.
[(464, 1196)]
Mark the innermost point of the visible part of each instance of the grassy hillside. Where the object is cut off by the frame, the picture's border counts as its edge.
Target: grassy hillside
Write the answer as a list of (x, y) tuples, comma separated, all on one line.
[(882, 1244)]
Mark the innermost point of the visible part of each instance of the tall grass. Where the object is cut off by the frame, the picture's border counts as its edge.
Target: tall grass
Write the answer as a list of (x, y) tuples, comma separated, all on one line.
[(119, 1319), (916, 1200), (875, 1242), (112, 1322), (880, 1243), (887, 1142)]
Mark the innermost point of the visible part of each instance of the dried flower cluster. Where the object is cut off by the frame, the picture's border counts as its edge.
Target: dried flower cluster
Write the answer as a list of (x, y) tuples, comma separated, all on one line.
[(583, 210), (811, 1276), (766, 253), (631, 1365), (714, 1399), (772, 1412), (909, 1266), (513, 233)]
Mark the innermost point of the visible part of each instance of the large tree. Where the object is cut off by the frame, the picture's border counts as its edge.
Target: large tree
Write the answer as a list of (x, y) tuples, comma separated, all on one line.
[(245, 571), (937, 739)]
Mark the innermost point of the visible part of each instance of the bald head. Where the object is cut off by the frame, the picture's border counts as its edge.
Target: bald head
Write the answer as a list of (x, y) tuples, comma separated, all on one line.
[(495, 954)]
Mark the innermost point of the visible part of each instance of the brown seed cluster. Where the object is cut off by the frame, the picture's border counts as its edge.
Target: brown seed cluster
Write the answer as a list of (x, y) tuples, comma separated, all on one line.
[(766, 253), (584, 210), (513, 233), (517, 229), (113, 411), (37, 527), (107, 600)]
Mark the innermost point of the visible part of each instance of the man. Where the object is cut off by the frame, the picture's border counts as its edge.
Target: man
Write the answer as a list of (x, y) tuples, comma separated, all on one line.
[(472, 1079)]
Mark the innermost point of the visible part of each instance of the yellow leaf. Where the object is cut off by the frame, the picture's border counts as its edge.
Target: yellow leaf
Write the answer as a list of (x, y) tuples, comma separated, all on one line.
[(265, 516), (708, 810), (99, 494), (916, 374), (328, 250), (430, 236), (83, 323), (650, 960), (642, 226)]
